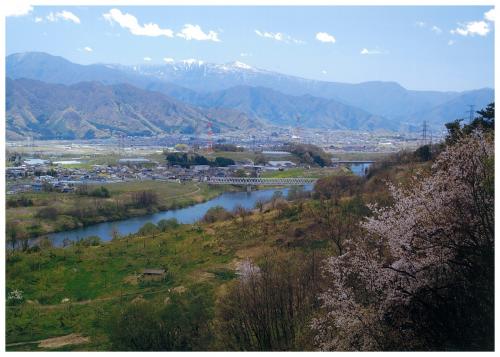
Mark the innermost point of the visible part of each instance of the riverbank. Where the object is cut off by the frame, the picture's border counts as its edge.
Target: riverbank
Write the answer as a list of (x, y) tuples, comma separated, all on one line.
[(229, 201), (32, 215)]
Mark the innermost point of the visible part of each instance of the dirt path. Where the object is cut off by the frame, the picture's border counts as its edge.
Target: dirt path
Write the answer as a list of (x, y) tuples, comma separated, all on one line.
[(86, 302), (55, 342), (188, 193)]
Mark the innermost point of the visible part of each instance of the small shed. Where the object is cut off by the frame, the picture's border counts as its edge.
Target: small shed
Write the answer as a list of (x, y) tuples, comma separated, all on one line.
[(154, 274)]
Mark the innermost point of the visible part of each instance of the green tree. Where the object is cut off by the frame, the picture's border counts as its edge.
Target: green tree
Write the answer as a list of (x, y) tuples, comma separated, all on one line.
[(223, 161), (485, 122), (148, 228), (166, 224)]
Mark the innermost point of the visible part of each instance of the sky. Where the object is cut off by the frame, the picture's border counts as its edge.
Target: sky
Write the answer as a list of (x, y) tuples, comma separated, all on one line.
[(420, 47)]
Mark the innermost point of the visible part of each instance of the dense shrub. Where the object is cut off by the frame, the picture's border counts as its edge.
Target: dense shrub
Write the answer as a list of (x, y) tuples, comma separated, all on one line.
[(47, 213), (215, 214), (89, 241), (148, 228), (22, 201), (309, 154), (102, 192), (334, 187), (270, 305), (223, 162), (180, 325), (166, 224)]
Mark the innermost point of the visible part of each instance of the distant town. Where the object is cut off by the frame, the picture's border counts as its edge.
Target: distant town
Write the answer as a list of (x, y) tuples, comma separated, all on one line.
[(48, 165)]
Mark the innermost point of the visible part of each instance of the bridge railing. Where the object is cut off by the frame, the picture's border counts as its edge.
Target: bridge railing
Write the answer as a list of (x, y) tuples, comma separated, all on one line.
[(258, 181)]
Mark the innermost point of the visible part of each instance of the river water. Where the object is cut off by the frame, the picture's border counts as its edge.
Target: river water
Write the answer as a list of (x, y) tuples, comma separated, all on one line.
[(191, 214)]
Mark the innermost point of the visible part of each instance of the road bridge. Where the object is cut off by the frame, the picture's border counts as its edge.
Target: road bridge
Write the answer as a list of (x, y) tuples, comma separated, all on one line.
[(261, 181), (353, 161)]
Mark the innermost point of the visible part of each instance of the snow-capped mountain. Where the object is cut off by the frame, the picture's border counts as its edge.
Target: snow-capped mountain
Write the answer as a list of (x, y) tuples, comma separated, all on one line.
[(221, 86)]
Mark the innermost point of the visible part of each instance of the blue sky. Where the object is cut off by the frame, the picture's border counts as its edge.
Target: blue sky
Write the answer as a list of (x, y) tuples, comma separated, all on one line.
[(439, 48)]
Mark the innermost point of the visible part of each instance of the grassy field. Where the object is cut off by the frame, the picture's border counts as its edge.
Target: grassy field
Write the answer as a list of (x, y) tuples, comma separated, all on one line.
[(73, 289), (170, 195), (302, 172)]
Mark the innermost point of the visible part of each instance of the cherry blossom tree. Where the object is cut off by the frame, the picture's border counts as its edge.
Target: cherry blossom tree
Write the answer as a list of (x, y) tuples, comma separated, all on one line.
[(421, 276)]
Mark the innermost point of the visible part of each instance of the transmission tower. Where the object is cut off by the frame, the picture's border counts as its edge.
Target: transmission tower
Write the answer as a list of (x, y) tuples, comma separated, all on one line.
[(471, 113), (424, 133), (297, 128)]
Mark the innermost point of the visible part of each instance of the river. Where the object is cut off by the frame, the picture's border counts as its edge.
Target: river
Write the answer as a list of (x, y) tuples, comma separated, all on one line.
[(191, 214)]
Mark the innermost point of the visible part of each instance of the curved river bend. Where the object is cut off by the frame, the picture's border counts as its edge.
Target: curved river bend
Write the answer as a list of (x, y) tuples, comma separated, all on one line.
[(191, 214)]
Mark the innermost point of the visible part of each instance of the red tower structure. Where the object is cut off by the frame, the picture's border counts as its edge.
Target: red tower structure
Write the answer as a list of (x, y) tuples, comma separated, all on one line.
[(209, 133)]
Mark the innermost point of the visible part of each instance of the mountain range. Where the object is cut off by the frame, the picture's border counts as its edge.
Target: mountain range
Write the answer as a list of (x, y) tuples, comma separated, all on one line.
[(89, 110), (190, 93)]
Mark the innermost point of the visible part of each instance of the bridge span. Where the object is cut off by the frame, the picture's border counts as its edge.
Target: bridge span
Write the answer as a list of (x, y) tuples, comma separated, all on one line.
[(261, 181)]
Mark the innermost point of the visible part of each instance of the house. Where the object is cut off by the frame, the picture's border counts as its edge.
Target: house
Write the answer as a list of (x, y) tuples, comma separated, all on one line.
[(36, 162), (14, 172), (198, 168), (282, 164), (277, 153), (153, 274)]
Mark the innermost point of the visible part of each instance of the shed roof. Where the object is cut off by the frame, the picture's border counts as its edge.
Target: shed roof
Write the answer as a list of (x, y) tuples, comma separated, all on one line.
[(154, 271)]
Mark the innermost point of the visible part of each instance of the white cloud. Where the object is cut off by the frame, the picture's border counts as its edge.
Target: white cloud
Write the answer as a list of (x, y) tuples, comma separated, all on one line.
[(490, 15), (325, 37), (366, 51), (68, 16), (168, 60), (472, 28), (244, 54), (63, 15), (88, 49), (194, 32), (451, 42), (436, 30), (147, 59), (38, 19), (324, 72), (279, 36), (129, 22), (17, 8)]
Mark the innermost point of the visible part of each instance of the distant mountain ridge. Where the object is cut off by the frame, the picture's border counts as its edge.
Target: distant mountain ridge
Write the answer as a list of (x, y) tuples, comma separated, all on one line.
[(279, 109), (264, 96), (93, 110), (388, 99)]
